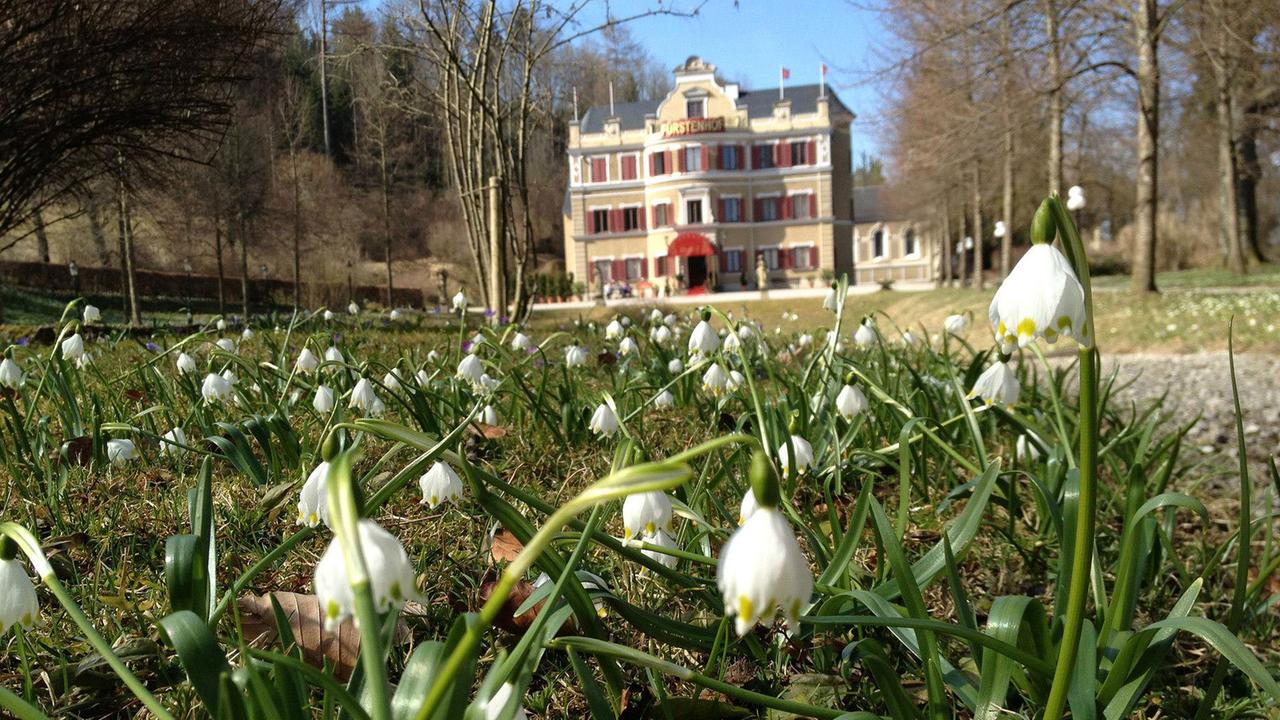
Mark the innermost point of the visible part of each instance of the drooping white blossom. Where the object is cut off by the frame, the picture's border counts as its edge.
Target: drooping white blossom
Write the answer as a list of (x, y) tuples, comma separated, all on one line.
[(645, 513), (997, 384), (439, 484), (1041, 298), (391, 576), (603, 421), (762, 571)]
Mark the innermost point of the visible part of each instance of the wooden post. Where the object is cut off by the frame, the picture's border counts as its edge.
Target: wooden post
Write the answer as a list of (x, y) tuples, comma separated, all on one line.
[(496, 303)]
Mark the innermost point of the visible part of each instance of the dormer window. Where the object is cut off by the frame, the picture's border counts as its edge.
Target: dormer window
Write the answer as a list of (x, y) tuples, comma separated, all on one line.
[(695, 108)]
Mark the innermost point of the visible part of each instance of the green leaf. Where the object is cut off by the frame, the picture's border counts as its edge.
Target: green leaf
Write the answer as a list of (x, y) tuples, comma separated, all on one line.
[(419, 672), (1228, 645), (203, 661)]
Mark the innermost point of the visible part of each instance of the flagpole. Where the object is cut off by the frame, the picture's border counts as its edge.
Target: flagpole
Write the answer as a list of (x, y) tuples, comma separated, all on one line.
[(822, 80), (782, 79), (611, 112), (575, 103)]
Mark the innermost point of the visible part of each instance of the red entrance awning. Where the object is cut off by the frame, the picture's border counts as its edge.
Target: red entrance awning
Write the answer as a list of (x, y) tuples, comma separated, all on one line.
[(690, 244)]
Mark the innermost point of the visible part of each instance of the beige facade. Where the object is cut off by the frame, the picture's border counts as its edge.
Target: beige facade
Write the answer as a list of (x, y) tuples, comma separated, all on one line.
[(889, 246), (735, 176)]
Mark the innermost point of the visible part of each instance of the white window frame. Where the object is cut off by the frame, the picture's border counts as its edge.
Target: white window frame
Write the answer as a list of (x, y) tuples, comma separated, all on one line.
[(742, 256), (701, 101), (591, 210), (773, 152), (591, 176), (807, 194), (807, 247), (596, 260), (767, 196), (626, 259), (888, 238), (639, 217), (671, 211), (734, 196), (741, 161), (915, 253), (685, 150), (702, 195), (639, 169), (777, 250)]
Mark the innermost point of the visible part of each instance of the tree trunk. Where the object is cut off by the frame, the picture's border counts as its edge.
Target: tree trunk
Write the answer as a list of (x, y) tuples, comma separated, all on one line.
[(243, 238), (324, 81), (1247, 173), (217, 249), (1143, 259), (126, 257), (978, 244), (1006, 107), (1052, 36), (297, 231), (96, 232), (386, 219), (962, 273), (42, 237), (944, 279), (1228, 205)]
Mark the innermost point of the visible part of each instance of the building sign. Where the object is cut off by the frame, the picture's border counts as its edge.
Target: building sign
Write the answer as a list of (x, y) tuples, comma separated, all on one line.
[(691, 126)]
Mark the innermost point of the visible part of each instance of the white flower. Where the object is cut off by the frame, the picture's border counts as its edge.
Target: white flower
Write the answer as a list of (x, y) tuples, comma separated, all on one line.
[(333, 354), (121, 451), (850, 402), (664, 400), (575, 355), (174, 442), (470, 369), (955, 324), (394, 315), (588, 581), (703, 341), (613, 330), (748, 506), (91, 315), (805, 340), (745, 331), (714, 379), (493, 709), (247, 334), (433, 357), (1075, 198), (328, 315), (323, 400), (735, 381), (645, 514), (865, 336), (603, 421), (489, 416), (1040, 298), (478, 339), (670, 320), (185, 363), (997, 384), (628, 347), (313, 501), (221, 324), (229, 376), (307, 362), (661, 335), (521, 342), (353, 308), (364, 398), (10, 373), (226, 345), (655, 316), (761, 570), (215, 388), (1000, 229), (732, 343), (909, 338), (831, 300), (664, 540), (1026, 449), (439, 484), (73, 347), (486, 383), (803, 457), (391, 575), (392, 379), (422, 377), (459, 301), (675, 367), (18, 604)]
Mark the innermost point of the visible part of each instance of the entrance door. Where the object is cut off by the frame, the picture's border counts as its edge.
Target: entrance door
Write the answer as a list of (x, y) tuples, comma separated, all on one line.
[(697, 271)]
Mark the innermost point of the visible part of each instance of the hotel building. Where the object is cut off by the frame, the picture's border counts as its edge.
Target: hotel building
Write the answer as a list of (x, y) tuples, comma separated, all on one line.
[(889, 245), (690, 192)]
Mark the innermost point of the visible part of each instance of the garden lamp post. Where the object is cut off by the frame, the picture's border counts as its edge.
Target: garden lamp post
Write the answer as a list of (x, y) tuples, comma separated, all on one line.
[(186, 289), (444, 285), (74, 270), (351, 288)]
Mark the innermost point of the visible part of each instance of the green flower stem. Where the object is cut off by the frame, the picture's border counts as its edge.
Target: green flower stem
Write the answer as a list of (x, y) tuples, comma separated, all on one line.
[(31, 548), (19, 708), (1060, 425)]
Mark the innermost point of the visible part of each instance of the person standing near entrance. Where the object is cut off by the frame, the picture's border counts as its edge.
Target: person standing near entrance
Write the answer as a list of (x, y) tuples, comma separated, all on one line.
[(762, 277)]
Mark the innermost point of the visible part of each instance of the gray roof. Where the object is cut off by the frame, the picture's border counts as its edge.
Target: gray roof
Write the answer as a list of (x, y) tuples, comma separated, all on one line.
[(759, 104), (867, 205)]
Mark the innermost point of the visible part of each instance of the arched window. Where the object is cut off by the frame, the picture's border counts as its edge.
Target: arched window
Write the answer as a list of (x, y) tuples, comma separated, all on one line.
[(909, 242), (877, 243)]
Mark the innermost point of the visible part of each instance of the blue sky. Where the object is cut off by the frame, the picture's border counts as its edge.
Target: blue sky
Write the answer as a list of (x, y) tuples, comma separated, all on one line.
[(749, 43)]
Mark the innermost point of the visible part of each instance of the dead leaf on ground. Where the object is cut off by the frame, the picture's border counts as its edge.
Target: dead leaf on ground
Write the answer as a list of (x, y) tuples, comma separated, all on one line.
[(504, 546), (488, 432), (507, 618)]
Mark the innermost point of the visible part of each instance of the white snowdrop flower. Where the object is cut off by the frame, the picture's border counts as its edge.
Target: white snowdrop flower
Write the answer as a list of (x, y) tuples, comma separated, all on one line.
[(84, 361), (502, 697), (588, 581), (670, 320), (663, 540), (470, 369), (174, 442), (439, 484), (655, 316), (803, 457), (865, 336), (91, 314), (626, 321), (850, 402), (477, 339), (185, 364), (328, 316), (433, 357), (353, 308), (732, 343), (736, 380), (391, 576), (955, 324), (487, 384), (323, 400), (215, 388), (661, 335), (831, 301), (703, 341), (422, 377), (459, 301), (909, 338), (1040, 298), (603, 421), (247, 334), (392, 379), (746, 331), (18, 603), (333, 355), (221, 324), (628, 347), (121, 451), (805, 340), (997, 384), (714, 379), (10, 373), (748, 506), (488, 415), (394, 315), (365, 399), (307, 362), (313, 501), (675, 367), (664, 400), (226, 345), (1026, 450), (521, 342), (575, 356), (762, 570), (229, 376), (1075, 198), (645, 514), (73, 347), (613, 330)]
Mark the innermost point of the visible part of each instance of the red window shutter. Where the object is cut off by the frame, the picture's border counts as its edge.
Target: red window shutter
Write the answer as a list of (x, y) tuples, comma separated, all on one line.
[(660, 265), (784, 154), (644, 269), (813, 153), (785, 209), (680, 160), (813, 205), (813, 257), (784, 258), (591, 222), (720, 211), (777, 154), (654, 212), (706, 157), (669, 160), (640, 217), (615, 221), (719, 157), (619, 270), (757, 210)]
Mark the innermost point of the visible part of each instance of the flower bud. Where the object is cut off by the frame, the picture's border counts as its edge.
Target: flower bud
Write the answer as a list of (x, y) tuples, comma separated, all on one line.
[(1043, 229), (764, 482)]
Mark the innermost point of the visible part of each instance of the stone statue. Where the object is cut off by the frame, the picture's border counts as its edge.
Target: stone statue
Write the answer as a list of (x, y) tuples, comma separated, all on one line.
[(762, 275)]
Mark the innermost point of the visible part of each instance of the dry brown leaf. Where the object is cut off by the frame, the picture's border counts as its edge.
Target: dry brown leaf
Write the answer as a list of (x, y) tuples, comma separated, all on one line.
[(504, 547), (488, 432), (507, 618)]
